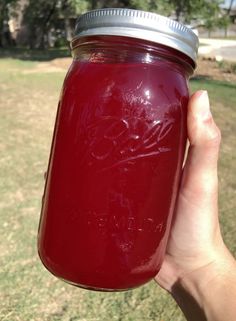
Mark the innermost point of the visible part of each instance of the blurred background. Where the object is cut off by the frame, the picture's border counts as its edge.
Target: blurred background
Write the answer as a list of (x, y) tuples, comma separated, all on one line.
[(47, 24), (34, 58)]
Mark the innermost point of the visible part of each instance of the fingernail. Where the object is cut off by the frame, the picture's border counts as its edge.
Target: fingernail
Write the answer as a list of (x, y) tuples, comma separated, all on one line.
[(204, 105)]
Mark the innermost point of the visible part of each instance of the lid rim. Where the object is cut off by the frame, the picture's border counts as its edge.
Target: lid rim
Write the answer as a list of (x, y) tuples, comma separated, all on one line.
[(138, 24)]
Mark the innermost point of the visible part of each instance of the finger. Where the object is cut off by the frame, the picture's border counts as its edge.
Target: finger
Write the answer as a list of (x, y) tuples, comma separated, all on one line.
[(200, 171)]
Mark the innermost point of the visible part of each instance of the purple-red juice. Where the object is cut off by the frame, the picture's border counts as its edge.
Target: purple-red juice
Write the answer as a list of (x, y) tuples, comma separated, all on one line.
[(114, 172)]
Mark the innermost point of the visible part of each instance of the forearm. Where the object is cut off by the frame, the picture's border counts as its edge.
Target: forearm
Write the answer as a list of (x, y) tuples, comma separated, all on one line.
[(210, 293)]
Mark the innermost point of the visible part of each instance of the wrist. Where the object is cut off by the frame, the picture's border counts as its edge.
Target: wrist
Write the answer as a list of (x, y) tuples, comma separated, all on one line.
[(201, 293), (219, 269)]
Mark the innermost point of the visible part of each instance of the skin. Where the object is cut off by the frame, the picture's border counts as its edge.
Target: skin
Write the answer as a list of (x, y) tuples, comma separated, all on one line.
[(198, 269)]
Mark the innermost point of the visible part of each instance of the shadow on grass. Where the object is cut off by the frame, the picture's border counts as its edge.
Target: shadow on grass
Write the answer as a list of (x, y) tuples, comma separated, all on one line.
[(202, 78), (36, 54)]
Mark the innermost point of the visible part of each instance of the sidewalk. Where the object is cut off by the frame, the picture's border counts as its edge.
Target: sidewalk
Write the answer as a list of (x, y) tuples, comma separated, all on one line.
[(219, 49)]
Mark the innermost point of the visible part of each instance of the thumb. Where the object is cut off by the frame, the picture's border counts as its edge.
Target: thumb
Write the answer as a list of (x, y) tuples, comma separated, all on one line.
[(200, 170)]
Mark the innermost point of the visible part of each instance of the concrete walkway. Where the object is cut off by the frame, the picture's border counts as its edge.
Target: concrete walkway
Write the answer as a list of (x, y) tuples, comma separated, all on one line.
[(220, 49)]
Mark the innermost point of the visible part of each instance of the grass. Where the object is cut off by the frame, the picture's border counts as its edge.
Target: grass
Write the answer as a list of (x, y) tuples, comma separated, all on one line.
[(35, 54), (223, 102), (28, 292)]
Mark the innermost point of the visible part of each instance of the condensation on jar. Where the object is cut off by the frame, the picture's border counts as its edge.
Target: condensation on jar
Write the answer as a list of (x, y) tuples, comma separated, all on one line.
[(117, 150)]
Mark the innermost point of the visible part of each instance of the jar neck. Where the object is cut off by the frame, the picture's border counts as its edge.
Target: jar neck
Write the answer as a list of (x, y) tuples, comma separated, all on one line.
[(116, 49)]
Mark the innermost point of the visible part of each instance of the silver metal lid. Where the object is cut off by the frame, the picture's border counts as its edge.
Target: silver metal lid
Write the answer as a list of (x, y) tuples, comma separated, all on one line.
[(138, 24)]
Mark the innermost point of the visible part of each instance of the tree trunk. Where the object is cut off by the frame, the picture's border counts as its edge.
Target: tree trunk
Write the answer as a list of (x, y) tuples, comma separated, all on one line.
[(1, 36), (177, 15), (68, 29), (178, 11), (46, 25), (3, 12), (93, 4), (226, 32), (41, 43), (230, 7)]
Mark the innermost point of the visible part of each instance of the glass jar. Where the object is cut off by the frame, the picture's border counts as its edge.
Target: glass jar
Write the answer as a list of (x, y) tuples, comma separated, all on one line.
[(117, 150)]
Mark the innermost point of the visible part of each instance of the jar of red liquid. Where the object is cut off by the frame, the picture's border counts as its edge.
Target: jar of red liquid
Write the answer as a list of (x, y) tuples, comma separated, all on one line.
[(117, 150)]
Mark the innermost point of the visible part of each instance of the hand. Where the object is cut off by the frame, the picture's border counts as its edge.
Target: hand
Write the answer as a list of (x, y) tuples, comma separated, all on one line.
[(196, 253)]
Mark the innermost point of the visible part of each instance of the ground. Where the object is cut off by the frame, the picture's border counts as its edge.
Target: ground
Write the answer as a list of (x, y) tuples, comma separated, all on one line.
[(207, 68), (29, 92), (210, 69)]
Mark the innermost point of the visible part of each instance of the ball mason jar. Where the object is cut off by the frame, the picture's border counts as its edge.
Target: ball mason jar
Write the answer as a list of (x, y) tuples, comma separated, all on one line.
[(117, 150)]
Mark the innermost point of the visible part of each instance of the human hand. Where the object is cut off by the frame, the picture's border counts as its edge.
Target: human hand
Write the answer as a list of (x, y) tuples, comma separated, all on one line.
[(196, 253)]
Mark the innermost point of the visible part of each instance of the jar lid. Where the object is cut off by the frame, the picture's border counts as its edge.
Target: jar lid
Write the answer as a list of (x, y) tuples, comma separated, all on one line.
[(138, 24)]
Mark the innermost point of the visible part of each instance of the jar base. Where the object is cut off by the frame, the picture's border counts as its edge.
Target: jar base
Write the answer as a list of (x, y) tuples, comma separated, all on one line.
[(97, 289), (89, 287)]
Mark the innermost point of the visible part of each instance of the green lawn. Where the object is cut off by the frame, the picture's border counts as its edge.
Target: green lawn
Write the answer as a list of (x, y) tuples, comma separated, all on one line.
[(28, 102)]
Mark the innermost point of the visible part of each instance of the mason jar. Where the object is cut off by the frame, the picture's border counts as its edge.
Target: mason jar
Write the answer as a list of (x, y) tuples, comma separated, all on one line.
[(117, 150)]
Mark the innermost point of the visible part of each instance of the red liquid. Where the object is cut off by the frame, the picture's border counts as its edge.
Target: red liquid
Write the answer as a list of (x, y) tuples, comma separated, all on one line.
[(114, 173)]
